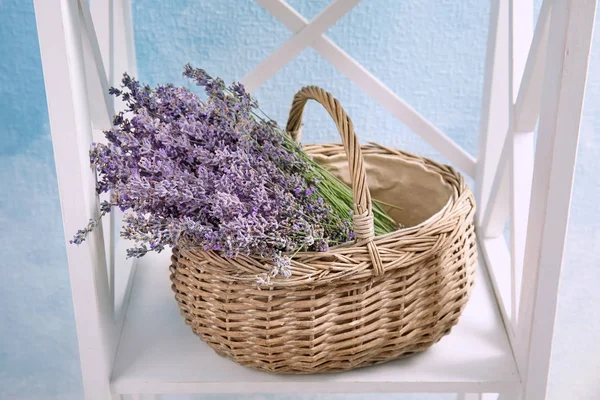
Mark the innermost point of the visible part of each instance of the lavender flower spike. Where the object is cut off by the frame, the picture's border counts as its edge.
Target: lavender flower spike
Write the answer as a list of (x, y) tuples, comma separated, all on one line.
[(216, 173)]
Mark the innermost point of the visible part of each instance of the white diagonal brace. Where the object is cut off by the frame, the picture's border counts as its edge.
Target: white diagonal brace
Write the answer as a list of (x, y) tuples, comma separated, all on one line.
[(494, 123), (520, 36), (511, 186), (102, 12), (114, 30), (113, 25), (101, 111), (497, 261), (520, 171), (290, 49), (497, 210), (101, 106), (122, 60), (520, 166), (397, 106), (374, 87), (527, 105)]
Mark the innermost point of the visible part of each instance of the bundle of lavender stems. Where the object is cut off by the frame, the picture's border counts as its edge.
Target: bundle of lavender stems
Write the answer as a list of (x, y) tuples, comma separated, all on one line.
[(218, 172)]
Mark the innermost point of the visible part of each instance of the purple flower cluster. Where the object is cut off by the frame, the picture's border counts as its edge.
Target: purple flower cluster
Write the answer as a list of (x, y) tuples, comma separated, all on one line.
[(212, 171)]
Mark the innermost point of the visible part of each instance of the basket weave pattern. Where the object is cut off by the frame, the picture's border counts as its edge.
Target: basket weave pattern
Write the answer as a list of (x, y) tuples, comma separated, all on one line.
[(361, 303)]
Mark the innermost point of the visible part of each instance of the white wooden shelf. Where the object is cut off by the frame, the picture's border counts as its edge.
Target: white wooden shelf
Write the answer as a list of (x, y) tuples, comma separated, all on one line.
[(159, 353)]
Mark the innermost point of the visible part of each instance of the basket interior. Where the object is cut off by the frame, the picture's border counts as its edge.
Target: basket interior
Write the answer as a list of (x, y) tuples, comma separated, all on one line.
[(416, 191)]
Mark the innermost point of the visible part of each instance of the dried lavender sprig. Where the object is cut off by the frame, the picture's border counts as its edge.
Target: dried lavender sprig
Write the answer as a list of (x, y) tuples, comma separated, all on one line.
[(82, 234), (334, 191), (215, 173), (340, 195), (188, 168)]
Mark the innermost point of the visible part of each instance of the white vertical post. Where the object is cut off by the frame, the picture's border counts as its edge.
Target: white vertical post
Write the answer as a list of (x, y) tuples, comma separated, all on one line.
[(493, 219), (101, 112), (511, 185), (495, 106), (138, 396), (495, 152), (508, 394), (61, 50), (122, 60), (469, 396), (526, 112), (520, 172), (113, 25), (556, 149), (520, 165)]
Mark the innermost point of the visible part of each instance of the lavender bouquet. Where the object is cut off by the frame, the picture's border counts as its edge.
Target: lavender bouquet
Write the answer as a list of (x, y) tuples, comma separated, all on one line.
[(219, 173)]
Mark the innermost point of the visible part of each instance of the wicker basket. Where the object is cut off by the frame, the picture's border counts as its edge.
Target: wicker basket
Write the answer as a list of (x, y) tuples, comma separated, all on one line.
[(361, 303)]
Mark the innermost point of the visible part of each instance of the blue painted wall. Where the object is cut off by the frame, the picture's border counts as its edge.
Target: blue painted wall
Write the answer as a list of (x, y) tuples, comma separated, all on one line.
[(430, 52)]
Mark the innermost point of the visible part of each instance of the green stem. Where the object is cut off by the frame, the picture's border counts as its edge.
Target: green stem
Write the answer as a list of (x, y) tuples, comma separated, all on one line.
[(337, 193), (334, 191)]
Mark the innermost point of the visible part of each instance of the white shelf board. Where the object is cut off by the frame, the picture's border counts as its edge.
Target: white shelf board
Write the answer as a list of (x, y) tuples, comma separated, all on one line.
[(158, 353)]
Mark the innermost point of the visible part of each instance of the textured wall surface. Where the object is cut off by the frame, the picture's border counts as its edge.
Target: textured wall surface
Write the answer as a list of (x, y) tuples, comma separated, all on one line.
[(430, 52)]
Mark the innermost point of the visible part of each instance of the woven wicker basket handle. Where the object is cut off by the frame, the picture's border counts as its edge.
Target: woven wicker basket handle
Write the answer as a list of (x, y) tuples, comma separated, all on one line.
[(363, 214)]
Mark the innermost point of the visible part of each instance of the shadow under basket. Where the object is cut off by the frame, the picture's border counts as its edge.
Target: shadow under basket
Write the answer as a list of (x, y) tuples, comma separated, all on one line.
[(362, 303)]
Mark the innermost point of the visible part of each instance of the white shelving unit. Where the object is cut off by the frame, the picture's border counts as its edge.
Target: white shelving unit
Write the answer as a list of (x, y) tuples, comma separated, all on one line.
[(132, 341)]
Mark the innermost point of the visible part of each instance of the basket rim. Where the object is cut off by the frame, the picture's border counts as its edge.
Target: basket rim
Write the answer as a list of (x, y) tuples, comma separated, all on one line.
[(409, 157), (247, 268)]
